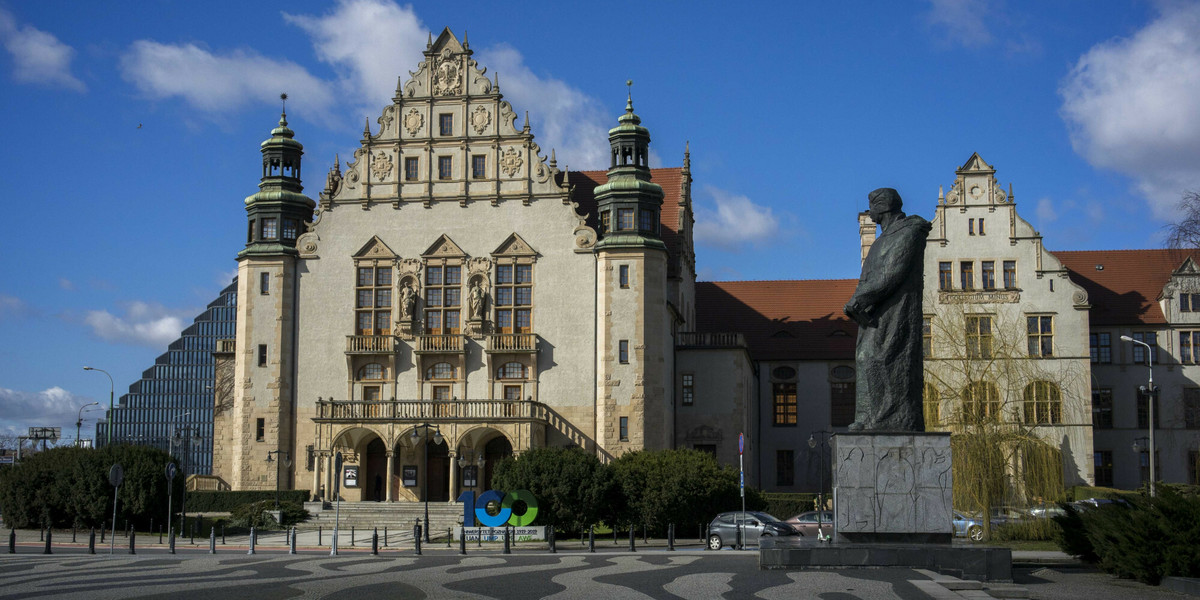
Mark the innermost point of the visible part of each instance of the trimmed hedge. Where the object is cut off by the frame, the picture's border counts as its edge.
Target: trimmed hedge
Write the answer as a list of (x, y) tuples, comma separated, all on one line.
[(786, 506), (228, 501)]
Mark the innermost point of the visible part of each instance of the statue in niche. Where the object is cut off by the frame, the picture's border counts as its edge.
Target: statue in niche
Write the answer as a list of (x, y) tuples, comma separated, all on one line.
[(476, 301), (408, 302), (887, 307)]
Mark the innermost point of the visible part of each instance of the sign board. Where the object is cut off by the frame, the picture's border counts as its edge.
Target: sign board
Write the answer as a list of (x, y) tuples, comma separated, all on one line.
[(496, 534), (741, 443), (408, 475), (337, 468), (170, 471), (7, 460), (45, 433), (351, 477), (116, 475)]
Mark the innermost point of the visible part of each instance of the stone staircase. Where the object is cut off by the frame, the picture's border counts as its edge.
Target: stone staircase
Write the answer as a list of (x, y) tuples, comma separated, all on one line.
[(395, 516)]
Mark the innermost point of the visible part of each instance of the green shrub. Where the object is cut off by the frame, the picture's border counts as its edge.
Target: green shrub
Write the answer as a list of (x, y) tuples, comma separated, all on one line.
[(786, 506), (684, 487), (227, 501), (255, 515), (1029, 530), (1072, 537), (570, 485)]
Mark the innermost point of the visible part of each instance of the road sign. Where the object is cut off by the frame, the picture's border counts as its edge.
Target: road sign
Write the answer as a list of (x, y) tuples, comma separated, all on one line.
[(337, 469), (7, 460), (741, 443), (45, 433), (170, 471), (116, 475)]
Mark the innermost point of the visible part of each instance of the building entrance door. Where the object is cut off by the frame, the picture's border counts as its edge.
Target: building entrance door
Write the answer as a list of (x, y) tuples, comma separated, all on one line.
[(439, 472)]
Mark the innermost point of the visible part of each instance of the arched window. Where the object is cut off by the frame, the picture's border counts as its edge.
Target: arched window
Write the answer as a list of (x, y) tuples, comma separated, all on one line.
[(370, 371), (512, 370), (981, 403), (440, 371), (1043, 403), (932, 405)]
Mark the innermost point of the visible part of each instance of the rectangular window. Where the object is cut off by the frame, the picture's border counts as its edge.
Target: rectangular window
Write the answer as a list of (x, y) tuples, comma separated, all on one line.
[(441, 393), (1100, 347), (841, 403), (623, 352), (262, 355), (784, 401), (260, 430), (1104, 468), (689, 390), (967, 274), (971, 226), (646, 220), (987, 274), (264, 283), (478, 166), (1139, 351), (1189, 302), (1193, 467), (623, 276), (270, 227), (981, 232), (443, 297), (250, 232), (373, 301), (444, 164), (624, 432), (1143, 408), (513, 295), (1191, 408), (1039, 333), (1102, 408), (512, 392), (945, 277), (1144, 464), (289, 229), (1189, 343), (1010, 274), (926, 337), (605, 221), (624, 219), (979, 337), (446, 124), (410, 168), (785, 468)]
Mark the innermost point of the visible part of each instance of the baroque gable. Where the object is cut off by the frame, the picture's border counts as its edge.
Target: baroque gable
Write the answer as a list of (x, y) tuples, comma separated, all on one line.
[(375, 248), (444, 247), (514, 245)]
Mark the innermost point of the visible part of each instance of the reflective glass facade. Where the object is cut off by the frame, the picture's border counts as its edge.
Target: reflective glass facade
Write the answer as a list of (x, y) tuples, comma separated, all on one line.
[(175, 396)]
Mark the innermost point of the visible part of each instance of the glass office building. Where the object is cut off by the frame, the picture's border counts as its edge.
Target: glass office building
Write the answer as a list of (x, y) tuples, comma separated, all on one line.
[(171, 406)]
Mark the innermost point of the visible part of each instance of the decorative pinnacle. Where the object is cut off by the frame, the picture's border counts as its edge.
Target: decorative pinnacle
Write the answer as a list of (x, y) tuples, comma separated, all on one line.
[(429, 44), (526, 126), (367, 127), (1010, 194), (553, 159), (283, 111), (629, 102), (687, 155), (466, 44)]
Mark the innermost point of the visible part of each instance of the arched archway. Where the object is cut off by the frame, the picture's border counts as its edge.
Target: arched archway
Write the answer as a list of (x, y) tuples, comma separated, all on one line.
[(496, 450)]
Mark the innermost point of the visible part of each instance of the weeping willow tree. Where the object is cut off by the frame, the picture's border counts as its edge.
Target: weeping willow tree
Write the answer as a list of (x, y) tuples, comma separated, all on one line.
[(991, 380)]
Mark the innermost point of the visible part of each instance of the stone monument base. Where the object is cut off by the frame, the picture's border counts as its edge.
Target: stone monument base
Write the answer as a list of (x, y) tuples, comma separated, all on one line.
[(965, 561), (892, 488)]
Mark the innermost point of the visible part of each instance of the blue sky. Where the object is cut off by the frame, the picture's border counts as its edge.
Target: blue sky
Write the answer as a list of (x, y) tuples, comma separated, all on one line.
[(131, 134)]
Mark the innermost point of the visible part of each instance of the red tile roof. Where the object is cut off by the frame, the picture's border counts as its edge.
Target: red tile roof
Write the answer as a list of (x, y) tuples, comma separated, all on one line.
[(671, 180), (1126, 290), (781, 320)]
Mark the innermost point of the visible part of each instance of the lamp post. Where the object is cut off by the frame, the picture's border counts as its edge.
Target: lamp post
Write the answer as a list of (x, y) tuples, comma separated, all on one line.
[(111, 388), (812, 444), (79, 420), (184, 437), (287, 462), (437, 439), (1150, 404)]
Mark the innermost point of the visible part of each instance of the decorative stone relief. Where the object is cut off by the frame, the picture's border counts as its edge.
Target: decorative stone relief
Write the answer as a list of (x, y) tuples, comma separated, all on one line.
[(893, 484), (307, 244), (414, 121), (479, 265), (952, 197), (447, 78), (585, 237), (511, 161), (385, 120), (381, 166), (480, 119)]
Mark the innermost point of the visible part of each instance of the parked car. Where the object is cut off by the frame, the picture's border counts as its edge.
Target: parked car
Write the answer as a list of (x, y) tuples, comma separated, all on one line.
[(1045, 511), (723, 531), (806, 523), (969, 527)]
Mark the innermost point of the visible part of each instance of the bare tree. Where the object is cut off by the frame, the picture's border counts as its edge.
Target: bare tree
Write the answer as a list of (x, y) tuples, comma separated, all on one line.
[(1185, 233)]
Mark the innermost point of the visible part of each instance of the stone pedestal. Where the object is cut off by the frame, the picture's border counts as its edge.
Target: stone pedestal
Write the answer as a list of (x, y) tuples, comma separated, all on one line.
[(892, 487)]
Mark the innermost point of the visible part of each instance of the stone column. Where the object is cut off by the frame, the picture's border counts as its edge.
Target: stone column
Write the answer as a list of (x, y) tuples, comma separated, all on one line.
[(329, 477), (316, 482), (391, 470), (453, 475)]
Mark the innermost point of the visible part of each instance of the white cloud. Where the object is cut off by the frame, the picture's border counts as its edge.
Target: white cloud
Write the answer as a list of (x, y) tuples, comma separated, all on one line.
[(963, 22), (143, 324), (54, 407), (214, 82), (38, 57), (1130, 106), (12, 307), (735, 223), (66, 284), (372, 41), (1045, 212)]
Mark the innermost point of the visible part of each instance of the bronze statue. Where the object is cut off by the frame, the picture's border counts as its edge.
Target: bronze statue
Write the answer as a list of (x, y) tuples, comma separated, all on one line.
[(887, 307)]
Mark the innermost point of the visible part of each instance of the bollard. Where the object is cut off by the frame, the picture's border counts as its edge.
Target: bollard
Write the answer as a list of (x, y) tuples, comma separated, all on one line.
[(319, 536), (645, 536), (151, 530), (72, 534), (632, 548), (253, 539), (507, 550), (462, 542), (292, 547), (385, 539), (614, 535), (449, 534), (671, 537), (195, 528), (550, 535), (48, 535), (491, 534), (132, 537), (102, 529), (212, 540), (160, 532), (591, 538), (417, 537), (170, 538), (41, 534), (222, 534), (351, 535), (12, 540), (92, 542), (375, 543)]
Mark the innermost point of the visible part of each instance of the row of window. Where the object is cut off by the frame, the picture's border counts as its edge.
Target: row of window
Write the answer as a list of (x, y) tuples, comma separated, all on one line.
[(442, 371), (1100, 347), (987, 274), (445, 167), (785, 408), (647, 220), (980, 339), (268, 228), (1102, 408), (1104, 466)]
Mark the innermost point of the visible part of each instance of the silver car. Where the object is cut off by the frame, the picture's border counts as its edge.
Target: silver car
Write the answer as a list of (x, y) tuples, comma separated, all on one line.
[(723, 531)]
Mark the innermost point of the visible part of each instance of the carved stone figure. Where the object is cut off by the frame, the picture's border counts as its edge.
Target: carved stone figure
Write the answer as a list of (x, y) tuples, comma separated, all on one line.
[(476, 301), (408, 302), (887, 307)]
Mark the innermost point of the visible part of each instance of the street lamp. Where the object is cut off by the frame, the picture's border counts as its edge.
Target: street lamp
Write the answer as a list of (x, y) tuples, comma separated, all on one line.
[(287, 462), (812, 444), (437, 439), (79, 420), (1150, 404), (111, 387), (185, 437)]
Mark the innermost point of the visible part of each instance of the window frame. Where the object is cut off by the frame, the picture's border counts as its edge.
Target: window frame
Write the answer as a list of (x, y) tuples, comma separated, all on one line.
[(270, 228), (1042, 403), (842, 402), (977, 410), (1103, 461), (980, 343), (623, 351), (264, 283), (440, 317), (373, 297), (1102, 408), (687, 394), (966, 271), (1139, 353), (625, 219), (785, 467), (445, 168), (262, 355), (945, 276), (1100, 347), (987, 275), (412, 168), (785, 407), (512, 295), (1010, 274), (478, 166), (1040, 341), (623, 431), (623, 276), (445, 124)]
